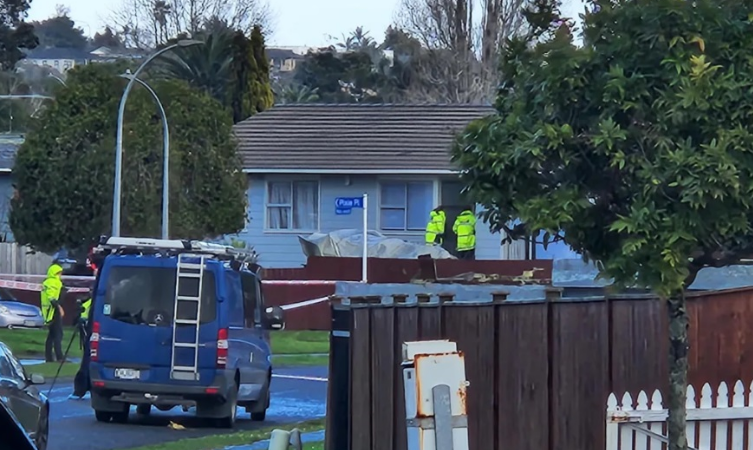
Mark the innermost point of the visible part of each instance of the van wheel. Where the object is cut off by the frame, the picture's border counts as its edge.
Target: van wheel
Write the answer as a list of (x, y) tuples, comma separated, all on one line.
[(120, 417), (143, 409), (232, 403), (103, 416), (260, 416)]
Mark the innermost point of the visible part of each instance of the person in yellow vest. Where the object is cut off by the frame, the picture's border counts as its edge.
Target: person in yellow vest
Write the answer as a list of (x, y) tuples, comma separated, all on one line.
[(465, 229), (52, 312), (436, 226), (86, 308)]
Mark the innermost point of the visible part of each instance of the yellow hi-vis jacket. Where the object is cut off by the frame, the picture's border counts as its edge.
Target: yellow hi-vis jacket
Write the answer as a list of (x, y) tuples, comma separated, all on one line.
[(87, 306), (51, 288), (435, 227), (465, 228)]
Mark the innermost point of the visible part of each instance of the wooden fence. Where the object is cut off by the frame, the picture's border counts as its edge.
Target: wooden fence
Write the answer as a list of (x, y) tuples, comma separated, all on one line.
[(21, 260), (540, 372)]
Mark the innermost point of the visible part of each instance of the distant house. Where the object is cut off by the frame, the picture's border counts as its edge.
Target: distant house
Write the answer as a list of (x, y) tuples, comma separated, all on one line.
[(9, 144), (283, 60), (301, 157), (64, 59)]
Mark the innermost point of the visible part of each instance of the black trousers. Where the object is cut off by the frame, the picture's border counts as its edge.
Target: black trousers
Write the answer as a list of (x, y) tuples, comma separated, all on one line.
[(467, 254), (54, 341), (81, 384)]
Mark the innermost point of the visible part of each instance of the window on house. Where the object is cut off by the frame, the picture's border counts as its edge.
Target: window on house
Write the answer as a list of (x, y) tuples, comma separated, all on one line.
[(405, 206), (293, 205)]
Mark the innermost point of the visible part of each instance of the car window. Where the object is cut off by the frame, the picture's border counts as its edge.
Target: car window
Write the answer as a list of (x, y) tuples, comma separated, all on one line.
[(250, 299), (138, 295), (6, 370), (18, 369), (235, 299)]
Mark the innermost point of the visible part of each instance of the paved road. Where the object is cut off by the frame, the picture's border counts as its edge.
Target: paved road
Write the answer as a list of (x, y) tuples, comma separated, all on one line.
[(297, 394)]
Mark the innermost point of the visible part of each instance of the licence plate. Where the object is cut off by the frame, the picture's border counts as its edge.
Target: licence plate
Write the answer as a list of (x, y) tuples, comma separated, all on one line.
[(127, 374), (29, 323)]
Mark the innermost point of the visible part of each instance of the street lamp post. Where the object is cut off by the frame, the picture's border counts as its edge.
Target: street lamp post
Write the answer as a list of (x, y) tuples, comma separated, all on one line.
[(165, 153), (119, 139)]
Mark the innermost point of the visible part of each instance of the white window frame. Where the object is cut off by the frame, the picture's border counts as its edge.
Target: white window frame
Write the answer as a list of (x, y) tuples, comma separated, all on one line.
[(291, 180), (433, 182)]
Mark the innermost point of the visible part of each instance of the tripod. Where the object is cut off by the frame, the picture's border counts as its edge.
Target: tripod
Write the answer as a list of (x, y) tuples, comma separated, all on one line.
[(82, 334)]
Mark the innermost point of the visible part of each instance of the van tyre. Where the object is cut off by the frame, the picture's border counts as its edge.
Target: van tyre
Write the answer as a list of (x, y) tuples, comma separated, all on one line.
[(109, 416), (232, 405), (261, 416), (143, 409)]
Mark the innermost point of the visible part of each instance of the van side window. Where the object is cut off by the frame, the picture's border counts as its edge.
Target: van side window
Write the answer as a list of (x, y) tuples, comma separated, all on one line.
[(250, 299), (235, 299), (138, 294)]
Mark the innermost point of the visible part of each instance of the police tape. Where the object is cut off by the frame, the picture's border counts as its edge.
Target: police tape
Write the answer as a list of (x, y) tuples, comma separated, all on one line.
[(305, 303), (89, 278), (36, 287)]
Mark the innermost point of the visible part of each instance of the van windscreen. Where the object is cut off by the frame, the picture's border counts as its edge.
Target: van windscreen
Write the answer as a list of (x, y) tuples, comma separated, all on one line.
[(146, 295)]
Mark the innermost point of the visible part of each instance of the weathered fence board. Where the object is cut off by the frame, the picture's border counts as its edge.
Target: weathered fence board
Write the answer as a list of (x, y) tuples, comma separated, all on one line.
[(539, 372)]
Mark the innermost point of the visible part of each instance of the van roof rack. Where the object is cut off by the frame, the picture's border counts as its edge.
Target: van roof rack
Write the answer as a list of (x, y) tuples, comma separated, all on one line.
[(173, 247)]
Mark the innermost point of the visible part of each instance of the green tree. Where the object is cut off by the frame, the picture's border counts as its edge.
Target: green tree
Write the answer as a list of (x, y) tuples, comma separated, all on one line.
[(635, 148), (230, 66), (261, 88), (15, 34), (64, 170), (341, 77), (60, 31)]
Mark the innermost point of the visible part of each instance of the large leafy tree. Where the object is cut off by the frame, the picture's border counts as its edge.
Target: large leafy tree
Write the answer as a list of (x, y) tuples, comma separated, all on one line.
[(64, 170), (15, 33), (60, 31), (635, 148), (230, 66)]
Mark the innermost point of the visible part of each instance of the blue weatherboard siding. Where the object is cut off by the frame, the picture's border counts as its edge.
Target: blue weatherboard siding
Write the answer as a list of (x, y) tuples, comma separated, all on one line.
[(282, 248), (6, 192)]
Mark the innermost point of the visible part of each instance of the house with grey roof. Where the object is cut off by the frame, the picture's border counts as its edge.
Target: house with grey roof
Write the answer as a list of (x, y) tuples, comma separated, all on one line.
[(9, 144), (301, 157)]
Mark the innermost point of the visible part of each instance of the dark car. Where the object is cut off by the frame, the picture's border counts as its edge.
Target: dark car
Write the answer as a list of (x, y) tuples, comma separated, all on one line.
[(74, 262), (20, 395), (14, 435)]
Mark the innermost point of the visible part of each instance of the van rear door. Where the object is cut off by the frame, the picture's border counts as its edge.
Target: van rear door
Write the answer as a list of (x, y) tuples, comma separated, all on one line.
[(135, 307)]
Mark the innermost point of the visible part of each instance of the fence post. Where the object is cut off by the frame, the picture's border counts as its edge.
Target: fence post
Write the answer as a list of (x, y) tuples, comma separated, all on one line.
[(435, 396), (338, 388)]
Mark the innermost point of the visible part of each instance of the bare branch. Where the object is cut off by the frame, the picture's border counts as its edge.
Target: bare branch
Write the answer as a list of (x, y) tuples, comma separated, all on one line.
[(148, 23)]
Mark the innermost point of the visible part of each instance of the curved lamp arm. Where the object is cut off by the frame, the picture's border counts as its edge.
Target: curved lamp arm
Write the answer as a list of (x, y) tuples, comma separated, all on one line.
[(119, 139), (165, 156)]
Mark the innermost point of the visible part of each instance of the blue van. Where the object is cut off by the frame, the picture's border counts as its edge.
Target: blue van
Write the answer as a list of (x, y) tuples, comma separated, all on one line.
[(179, 323)]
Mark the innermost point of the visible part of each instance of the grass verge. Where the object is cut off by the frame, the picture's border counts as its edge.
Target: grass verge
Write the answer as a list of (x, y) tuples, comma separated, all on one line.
[(24, 343), (316, 446), (220, 441), (48, 370), (299, 342), (300, 360)]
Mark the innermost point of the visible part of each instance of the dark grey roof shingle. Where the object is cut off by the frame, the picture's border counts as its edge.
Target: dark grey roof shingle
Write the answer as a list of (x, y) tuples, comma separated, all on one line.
[(353, 136)]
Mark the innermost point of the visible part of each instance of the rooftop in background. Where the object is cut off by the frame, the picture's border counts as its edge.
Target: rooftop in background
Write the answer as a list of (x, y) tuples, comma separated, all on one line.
[(9, 144), (354, 138)]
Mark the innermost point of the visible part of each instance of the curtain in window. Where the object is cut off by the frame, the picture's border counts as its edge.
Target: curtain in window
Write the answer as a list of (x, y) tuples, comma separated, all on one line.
[(306, 205), (420, 200), (279, 207), (392, 206), (405, 206)]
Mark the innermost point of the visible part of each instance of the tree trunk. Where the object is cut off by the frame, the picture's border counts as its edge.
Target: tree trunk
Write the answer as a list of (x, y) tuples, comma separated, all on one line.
[(678, 371)]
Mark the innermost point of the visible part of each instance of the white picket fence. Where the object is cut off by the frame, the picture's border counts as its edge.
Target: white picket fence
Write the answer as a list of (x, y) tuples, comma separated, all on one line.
[(717, 423)]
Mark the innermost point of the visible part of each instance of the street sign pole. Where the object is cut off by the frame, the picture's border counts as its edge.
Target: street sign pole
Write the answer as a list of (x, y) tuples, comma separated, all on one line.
[(365, 261)]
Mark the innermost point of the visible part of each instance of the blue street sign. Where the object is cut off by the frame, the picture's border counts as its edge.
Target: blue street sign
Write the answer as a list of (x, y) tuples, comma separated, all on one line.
[(349, 202), (343, 211)]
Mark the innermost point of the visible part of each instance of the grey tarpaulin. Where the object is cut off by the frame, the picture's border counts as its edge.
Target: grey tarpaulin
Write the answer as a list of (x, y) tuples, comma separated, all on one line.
[(349, 243)]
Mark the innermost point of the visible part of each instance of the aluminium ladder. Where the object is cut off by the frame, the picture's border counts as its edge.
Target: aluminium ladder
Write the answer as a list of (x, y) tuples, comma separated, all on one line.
[(188, 272)]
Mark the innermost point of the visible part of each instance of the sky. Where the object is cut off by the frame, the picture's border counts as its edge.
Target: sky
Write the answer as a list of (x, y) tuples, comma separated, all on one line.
[(297, 22)]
